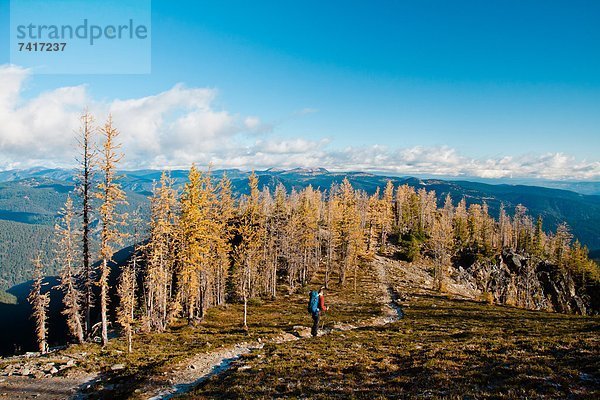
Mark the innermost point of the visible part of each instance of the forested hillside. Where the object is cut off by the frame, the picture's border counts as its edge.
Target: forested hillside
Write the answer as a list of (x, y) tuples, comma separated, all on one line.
[(35, 196), (18, 243), (202, 247), (29, 208), (204, 238)]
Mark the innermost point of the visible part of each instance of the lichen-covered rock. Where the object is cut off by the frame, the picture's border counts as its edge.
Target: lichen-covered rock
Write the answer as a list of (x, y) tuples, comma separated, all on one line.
[(561, 291), (516, 280)]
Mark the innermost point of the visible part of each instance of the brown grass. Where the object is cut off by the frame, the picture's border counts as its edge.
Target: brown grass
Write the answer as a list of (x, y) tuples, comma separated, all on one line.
[(156, 353), (443, 348)]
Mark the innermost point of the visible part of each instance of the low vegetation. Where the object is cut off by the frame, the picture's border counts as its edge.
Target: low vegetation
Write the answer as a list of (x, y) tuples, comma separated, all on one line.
[(442, 348), (153, 354)]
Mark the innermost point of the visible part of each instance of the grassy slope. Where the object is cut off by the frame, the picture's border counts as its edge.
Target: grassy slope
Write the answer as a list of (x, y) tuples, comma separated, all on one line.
[(443, 348), (155, 353)]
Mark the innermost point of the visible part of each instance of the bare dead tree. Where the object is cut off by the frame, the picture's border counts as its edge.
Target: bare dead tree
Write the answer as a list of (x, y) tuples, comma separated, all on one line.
[(84, 187), (39, 301)]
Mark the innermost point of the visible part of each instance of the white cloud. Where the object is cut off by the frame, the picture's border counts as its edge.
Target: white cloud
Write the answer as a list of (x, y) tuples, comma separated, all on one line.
[(182, 125), (252, 122), (294, 146), (255, 125), (449, 162), (39, 128), (173, 125)]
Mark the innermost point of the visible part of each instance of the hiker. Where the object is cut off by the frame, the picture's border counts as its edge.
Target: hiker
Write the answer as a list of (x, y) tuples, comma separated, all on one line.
[(316, 304)]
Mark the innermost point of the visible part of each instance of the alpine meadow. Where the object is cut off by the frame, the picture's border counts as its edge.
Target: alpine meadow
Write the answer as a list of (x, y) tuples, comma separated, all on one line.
[(316, 200)]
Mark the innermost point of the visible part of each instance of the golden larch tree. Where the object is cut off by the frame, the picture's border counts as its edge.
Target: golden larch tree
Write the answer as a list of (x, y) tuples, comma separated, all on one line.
[(195, 249), (349, 235), (247, 254), (66, 257), (160, 251), (111, 195), (223, 212), (127, 301), (441, 243)]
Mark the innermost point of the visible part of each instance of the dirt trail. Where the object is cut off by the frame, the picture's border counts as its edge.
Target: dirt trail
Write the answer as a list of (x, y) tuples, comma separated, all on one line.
[(185, 376), (194, 371), (54, 388), (390, 296)]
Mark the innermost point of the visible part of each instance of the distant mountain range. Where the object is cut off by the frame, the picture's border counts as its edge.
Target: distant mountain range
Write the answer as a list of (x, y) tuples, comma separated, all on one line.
[(582, 187), (30, 200)]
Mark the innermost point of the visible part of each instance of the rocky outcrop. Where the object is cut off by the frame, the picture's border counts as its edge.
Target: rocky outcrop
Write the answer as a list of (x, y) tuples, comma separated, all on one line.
[(517, 280), (562, 291), (35, 366)]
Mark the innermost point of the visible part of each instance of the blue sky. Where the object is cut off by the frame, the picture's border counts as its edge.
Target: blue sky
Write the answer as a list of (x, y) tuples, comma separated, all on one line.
[(467, 81)]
